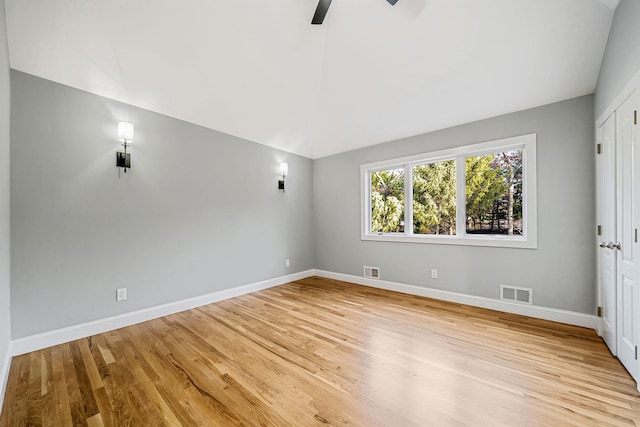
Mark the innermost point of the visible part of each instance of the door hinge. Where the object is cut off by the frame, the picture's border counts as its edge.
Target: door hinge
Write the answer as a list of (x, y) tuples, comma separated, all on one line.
[(636, 236), (636, 352), (599, 312), (635, 117), (600, 230), (599, 148)]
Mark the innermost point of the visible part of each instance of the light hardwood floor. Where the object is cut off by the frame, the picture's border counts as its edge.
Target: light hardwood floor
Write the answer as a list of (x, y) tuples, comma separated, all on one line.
[(323, 352)]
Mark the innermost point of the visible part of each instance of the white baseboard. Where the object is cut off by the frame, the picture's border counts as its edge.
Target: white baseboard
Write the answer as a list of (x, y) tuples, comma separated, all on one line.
[(4, 373), (58, 336), (556, 315), (47, 339), (50, 338)]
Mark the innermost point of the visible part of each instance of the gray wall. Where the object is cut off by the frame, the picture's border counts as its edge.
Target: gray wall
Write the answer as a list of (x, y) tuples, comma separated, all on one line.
[(561, 271), (621, 59), (198, 212), (5, 321)]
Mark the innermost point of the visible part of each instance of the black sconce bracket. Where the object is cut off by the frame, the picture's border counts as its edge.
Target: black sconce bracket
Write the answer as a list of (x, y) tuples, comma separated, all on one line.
[(123, 160)]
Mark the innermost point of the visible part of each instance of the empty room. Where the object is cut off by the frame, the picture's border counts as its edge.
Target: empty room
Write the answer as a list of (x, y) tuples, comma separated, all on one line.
[(317, 212)]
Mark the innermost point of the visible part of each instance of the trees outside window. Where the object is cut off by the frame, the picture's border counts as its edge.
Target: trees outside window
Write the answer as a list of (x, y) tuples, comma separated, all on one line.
[(434, 198), (494, 193), (387, 201)]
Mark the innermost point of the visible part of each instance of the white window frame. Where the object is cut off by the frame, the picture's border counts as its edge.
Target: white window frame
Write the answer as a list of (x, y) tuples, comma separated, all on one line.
[(529, 237)]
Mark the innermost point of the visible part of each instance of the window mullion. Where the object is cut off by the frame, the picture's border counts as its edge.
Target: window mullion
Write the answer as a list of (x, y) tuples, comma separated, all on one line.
[(461, 214), (366, 203), (408, 200)]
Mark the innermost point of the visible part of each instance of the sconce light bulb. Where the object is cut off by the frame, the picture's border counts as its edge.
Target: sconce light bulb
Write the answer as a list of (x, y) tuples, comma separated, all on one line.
[(125, 132)]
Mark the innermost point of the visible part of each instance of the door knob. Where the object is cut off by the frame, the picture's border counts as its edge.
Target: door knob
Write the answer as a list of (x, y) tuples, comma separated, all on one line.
[(612, 245), (602, 245)]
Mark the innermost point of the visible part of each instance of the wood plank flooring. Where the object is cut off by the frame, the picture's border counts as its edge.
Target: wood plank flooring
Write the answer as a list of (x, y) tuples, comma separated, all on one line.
[(323, 352)]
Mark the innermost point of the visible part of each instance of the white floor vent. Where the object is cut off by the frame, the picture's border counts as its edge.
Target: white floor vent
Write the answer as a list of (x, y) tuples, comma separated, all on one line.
[(516, 294), (371, 272)]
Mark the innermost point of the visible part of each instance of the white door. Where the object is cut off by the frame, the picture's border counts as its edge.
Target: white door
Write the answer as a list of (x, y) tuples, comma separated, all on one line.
[(628, 253), (607, 219)]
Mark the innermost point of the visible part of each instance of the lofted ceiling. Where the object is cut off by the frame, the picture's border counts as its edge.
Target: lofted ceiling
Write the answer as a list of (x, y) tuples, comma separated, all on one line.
[(371, 73)]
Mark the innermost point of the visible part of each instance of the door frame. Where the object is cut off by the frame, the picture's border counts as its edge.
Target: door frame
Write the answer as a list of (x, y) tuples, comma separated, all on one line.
[(601, 230)]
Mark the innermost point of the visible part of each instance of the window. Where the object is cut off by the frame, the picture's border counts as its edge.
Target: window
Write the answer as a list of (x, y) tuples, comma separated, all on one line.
[(482, 194), (387, 201), (434, 198), (494, 193)]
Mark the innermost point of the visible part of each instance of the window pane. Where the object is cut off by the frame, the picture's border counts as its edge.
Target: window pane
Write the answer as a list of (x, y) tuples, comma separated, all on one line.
[(387, 201), (434, 198), (494, 193)]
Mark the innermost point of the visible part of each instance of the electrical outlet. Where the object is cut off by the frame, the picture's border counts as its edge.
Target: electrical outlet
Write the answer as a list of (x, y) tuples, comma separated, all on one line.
[(121, 294), (434, 273), (287, 262)]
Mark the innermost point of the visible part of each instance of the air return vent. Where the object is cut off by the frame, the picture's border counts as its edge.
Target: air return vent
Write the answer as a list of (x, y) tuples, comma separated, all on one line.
[(516, 294), (371, 272)]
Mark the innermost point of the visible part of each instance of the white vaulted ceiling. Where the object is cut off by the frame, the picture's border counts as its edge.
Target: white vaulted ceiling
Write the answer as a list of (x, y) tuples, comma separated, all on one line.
[(371, 73)]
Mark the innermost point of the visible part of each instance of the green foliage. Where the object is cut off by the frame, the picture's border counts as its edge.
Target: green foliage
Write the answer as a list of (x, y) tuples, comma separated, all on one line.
[(434, 198), (483, 186), (493, 192), (387, 201)]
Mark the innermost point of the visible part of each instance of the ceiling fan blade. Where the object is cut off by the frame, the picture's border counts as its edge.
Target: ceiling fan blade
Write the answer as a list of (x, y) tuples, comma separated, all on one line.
[(321, 11), (323, 7)]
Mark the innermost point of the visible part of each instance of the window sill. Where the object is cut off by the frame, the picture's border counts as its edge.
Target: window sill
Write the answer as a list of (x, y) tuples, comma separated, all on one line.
[(493, 241)]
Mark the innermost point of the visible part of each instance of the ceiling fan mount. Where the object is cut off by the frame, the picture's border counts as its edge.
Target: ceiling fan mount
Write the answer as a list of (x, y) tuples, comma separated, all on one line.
[(323, 7)]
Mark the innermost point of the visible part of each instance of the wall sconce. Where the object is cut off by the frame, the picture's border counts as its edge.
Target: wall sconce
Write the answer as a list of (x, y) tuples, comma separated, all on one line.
[(125, 135), (284, 170)]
